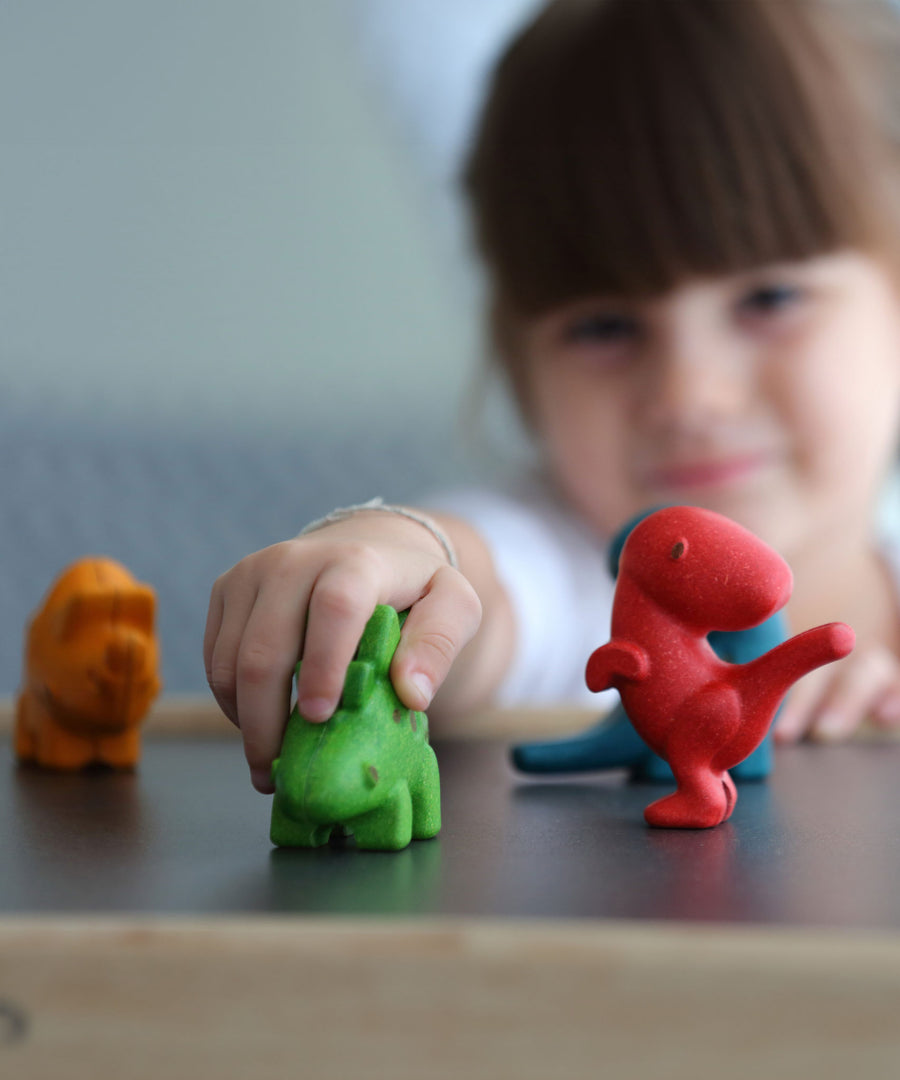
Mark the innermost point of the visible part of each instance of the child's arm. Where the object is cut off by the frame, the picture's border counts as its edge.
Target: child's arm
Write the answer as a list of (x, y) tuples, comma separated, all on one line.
[(313, 595), (831, 703)]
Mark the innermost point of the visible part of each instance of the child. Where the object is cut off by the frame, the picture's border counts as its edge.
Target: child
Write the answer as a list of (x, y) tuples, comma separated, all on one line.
[(690, 216)]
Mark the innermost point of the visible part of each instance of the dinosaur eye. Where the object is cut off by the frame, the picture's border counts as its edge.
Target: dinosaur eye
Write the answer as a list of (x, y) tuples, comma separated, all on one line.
[(678, 550)]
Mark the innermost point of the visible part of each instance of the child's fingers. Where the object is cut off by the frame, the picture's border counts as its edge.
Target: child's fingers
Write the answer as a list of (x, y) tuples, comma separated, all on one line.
[(269, 647), (886, 714), (799, 707), (850, 697), (211, 631), (886, 710), (341, 603), (230, 607), (435, 632)]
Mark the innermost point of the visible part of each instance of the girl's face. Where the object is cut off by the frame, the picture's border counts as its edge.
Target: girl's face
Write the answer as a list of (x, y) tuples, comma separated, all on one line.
[(772, 396)]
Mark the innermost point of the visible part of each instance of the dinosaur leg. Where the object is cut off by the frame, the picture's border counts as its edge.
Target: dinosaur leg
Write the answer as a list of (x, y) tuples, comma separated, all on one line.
[(740, 647), (122, 751), (57, 748), (730, 794), (389, 827), (703, 799), (705, 795), (426, 800), (296, 832)]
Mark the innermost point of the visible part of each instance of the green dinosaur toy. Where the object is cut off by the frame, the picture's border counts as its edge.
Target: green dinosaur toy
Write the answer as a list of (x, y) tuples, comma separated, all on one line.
[(369, 769)]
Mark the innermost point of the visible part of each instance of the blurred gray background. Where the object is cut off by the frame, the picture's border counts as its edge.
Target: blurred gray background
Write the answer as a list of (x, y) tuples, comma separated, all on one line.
[(234, 290)]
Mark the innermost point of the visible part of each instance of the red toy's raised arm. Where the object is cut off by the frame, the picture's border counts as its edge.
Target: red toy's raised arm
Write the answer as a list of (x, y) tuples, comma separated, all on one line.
[(616, 659)]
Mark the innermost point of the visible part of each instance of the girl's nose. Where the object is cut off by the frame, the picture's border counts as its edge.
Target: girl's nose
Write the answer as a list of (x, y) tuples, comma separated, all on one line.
[(692, 383)]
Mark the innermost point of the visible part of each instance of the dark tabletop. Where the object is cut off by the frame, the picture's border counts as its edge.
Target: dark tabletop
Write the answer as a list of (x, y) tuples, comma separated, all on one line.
[(818, 845)]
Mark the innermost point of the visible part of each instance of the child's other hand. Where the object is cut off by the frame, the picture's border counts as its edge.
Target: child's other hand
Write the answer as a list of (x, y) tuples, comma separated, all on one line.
[(311, 597), (831, 703)]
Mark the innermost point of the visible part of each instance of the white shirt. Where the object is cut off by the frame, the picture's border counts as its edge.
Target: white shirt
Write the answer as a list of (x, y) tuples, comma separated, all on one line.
[(555, 572)]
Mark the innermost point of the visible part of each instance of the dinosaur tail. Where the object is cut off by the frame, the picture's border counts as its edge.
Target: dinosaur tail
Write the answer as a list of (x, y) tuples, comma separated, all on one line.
[(766, 680), (611, 744), (782, 666)]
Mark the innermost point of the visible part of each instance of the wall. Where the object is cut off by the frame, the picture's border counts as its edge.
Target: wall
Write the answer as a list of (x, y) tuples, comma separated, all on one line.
[(207, 219), (224, 302)]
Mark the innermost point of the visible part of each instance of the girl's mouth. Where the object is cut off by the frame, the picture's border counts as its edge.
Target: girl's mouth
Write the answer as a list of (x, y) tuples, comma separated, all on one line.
[(708, 472)]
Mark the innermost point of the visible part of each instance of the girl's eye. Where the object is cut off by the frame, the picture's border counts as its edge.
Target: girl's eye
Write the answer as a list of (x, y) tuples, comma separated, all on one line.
[(602, 329), (770, 299)]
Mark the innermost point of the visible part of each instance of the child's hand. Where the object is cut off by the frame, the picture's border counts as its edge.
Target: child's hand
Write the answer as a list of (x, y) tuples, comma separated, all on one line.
[(312, 597), (830, 704)]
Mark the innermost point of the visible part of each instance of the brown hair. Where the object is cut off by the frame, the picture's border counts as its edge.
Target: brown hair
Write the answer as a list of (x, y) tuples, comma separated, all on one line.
[(627, 144)]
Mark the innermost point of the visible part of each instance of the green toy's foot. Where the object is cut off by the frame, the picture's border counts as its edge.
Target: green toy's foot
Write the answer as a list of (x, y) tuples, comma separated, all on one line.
[(389, 828), (287, 832), (426, 801)]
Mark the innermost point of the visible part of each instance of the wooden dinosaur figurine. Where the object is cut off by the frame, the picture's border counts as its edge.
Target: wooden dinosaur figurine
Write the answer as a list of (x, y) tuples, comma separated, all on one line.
[(685, 573), (369, 769), (91, 669)]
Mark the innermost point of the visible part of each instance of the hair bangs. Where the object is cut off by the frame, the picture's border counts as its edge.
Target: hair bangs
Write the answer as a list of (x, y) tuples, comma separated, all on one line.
[(630, 144)]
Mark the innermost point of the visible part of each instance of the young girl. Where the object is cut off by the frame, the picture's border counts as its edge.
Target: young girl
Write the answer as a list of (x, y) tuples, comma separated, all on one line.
[(690, 216)]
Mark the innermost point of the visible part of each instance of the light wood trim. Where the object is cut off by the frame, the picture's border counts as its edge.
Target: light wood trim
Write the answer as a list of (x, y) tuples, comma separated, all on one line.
[(136, 998), (188, 715), (199, 715)]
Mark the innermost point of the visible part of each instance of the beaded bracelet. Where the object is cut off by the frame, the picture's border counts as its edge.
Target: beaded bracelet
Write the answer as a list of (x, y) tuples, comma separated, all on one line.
[(345, 512)]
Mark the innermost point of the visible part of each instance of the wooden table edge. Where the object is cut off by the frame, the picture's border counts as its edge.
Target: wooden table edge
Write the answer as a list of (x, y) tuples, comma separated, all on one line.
[(438, 998)]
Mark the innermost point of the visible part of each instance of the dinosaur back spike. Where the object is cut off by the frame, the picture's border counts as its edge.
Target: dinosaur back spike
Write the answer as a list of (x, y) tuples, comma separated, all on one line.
[(380, 638), (358, 684)]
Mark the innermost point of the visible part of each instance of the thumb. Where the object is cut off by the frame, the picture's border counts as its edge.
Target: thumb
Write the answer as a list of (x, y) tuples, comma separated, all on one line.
[(438, 627)]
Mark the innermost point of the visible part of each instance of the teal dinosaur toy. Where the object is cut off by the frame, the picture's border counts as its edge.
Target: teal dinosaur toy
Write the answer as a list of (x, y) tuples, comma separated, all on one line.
[(369, 769)]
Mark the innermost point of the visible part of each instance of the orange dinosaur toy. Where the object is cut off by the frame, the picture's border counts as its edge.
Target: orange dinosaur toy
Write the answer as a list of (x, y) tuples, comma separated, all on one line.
[(90, 671)]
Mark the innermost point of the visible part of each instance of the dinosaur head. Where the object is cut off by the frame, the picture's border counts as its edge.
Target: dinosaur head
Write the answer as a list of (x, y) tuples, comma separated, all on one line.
[(706, 571)]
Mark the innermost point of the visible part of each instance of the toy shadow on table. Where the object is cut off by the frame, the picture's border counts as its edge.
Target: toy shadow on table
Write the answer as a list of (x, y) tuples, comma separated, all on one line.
[(606, 802), (339, 878), (637, 872)]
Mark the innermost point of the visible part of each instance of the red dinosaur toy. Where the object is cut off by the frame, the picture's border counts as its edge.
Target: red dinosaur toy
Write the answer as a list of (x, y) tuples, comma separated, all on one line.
[(685, 572)]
